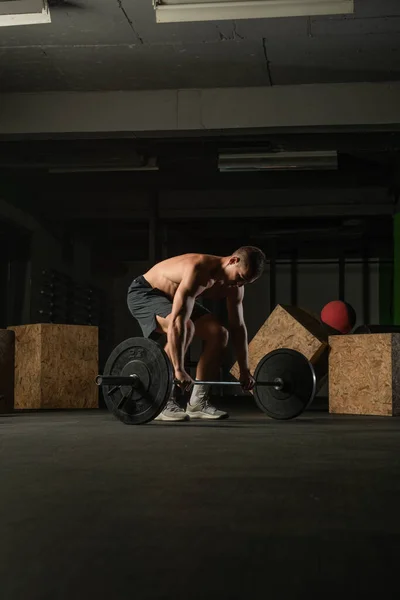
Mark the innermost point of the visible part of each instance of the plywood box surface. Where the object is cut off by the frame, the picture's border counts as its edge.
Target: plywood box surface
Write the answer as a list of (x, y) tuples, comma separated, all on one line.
[(56, 366), (364, 376), (287, 327)]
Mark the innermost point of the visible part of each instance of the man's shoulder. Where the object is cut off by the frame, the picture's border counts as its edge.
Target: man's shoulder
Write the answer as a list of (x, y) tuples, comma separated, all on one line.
[(199, 262), (189, 258), (199, 267), (199, 258)]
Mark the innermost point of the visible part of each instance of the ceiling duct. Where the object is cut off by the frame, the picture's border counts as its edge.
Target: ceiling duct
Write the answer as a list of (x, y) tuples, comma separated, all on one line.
[(141, 164)]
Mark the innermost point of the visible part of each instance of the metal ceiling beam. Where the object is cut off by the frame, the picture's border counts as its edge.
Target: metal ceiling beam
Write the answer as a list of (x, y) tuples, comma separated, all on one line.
[(372, 105)]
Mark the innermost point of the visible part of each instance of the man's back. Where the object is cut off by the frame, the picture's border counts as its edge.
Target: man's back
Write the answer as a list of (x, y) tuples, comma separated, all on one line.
[(168, 274)]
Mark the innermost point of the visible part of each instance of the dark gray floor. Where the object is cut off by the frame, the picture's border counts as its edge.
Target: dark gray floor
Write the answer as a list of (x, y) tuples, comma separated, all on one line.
[(92, 508)]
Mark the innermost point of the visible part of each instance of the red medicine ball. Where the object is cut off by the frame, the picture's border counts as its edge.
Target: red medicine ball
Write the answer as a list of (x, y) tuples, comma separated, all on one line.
[(339, 315)]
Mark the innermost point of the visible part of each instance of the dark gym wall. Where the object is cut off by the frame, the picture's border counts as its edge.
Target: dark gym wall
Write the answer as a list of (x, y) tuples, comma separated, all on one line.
[(96, 230), (329, 258), (15, 247), (386, 280), (4, 290), (30, 246)]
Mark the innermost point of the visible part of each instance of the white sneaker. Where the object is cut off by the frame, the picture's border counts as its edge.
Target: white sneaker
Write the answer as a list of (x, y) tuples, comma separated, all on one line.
[(172, 412), (202, 409)]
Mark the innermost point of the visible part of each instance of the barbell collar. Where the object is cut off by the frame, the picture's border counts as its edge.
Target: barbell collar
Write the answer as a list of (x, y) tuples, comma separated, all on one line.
[(131, 380)]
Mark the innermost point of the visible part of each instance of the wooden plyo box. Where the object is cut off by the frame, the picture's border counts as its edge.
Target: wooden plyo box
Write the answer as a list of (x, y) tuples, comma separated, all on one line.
[(55, 366), (287, 327), (364, 374)]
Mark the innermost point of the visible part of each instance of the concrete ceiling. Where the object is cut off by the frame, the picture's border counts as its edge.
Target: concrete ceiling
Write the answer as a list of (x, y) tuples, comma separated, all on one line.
[(117, 45)]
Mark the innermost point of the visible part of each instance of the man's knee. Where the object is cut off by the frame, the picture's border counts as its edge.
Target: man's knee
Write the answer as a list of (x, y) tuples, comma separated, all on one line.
[(224, 336), (164, 323), (219, 335)]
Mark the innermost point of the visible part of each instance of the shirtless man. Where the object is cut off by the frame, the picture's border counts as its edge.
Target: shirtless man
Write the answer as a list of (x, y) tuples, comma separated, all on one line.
[(163, 300)]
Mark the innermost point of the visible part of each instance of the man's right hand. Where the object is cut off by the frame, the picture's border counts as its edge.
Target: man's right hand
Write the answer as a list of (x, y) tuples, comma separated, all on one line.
[(183, 379)]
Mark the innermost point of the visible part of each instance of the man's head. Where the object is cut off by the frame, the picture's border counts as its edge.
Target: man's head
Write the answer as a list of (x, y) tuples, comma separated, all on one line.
[(245, 265)]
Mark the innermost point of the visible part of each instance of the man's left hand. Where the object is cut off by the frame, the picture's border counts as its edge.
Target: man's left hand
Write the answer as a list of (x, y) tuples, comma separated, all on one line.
[(247, 380)]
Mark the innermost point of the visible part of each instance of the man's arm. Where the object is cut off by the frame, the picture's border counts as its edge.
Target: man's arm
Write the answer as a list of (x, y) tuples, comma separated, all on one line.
[(182, 307), (238, 330)]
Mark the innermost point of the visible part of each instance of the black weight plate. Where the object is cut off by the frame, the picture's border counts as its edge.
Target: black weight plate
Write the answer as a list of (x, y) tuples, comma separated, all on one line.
[(148, 360), (299, 379)]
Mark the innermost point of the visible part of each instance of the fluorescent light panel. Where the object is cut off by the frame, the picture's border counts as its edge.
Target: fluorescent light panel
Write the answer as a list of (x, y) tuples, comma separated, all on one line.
[(24, 12), (278, 161), (173, 11)]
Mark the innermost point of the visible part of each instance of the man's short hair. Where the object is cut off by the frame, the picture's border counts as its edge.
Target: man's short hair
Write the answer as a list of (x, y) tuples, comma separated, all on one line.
[(253, 259)]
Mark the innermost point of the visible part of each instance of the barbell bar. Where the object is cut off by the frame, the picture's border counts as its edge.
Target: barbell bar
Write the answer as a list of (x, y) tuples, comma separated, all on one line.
[(134, 381), (138, 379), (278, 384)]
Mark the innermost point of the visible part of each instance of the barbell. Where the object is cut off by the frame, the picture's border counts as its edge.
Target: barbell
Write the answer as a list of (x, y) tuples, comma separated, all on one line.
[(138, 378)]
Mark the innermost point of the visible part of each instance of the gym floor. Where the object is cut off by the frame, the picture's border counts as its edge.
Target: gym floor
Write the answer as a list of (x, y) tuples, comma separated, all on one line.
[(92, 508)]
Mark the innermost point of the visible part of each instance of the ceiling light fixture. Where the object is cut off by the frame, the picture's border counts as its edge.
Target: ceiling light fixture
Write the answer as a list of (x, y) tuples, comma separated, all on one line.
[(24, 12), (174, 11)]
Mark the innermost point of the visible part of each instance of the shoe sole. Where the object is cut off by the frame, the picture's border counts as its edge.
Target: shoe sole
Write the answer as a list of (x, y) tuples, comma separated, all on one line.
[(164, 418), (207, 417)]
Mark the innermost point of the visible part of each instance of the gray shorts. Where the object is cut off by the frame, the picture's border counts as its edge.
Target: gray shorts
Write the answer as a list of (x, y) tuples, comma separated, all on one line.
[(146, 302)]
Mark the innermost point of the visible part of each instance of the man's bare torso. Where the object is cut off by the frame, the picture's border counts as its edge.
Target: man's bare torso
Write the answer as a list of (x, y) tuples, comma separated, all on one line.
[(168, 274)]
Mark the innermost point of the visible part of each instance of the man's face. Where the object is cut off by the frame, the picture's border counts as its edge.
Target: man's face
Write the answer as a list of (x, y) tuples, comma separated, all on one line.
[(241, 278), (238, 275)]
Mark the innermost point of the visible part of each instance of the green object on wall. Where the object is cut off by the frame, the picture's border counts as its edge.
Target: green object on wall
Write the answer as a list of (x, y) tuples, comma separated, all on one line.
[(386, 292), (396, 270)]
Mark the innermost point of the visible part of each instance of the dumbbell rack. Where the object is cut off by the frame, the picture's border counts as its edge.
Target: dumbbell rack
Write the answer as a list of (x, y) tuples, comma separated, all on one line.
[(60, 300)]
